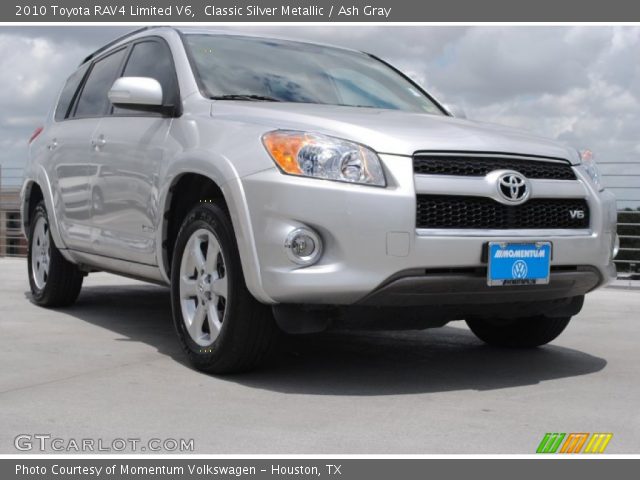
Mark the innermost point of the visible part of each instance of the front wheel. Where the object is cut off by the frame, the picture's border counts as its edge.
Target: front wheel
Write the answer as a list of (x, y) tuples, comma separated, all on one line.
[(525, 332), (54, 281), (222, 327)]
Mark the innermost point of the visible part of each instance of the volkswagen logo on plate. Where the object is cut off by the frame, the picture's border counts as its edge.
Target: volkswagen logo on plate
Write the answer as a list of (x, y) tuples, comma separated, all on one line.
[(519, 269), (513, 187)]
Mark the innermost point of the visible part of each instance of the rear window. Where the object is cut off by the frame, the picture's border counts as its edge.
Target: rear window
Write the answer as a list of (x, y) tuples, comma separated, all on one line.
[(69, 92)]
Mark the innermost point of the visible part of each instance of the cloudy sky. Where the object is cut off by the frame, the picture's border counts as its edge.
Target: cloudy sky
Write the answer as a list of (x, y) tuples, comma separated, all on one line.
[(577, 84)]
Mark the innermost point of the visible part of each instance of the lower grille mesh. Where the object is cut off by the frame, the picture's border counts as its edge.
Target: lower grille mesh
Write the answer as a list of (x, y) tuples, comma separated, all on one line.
[(448, 211)]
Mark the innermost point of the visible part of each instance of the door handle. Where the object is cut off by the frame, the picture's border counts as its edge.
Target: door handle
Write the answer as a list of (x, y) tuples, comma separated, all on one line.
[(53, 145), (99, 142)]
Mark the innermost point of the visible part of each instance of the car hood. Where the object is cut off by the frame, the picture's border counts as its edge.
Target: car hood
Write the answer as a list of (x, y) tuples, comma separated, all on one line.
[(392, 131)]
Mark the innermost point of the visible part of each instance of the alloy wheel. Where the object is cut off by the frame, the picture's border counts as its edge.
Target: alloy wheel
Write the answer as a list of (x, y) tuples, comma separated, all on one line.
[(40, 253), (203, 287)]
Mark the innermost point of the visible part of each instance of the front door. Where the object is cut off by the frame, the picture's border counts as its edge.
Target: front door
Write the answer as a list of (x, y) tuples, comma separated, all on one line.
[(128, 158), (131, 147)]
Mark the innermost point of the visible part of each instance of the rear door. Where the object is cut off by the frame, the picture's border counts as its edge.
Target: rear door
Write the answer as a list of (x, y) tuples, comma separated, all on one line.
[(81, 105), (68, 181), (131, 148)]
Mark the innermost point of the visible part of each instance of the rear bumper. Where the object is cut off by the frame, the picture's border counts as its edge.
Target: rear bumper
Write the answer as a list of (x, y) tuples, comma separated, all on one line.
[(470, 288)]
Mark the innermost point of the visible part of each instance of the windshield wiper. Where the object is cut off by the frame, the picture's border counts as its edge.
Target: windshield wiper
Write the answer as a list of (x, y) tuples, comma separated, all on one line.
[(246, 97), (354, 106)]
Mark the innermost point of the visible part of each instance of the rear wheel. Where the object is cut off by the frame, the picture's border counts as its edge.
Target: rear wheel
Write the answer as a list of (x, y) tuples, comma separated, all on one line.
[(54, 281), (525, 332), (222, 328)]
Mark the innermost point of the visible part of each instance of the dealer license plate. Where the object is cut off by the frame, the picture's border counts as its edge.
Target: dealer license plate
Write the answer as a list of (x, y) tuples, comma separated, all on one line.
[(518, 263)]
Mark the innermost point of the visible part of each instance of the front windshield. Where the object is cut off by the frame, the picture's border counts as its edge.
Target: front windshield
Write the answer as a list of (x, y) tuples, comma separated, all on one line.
[(246, 68)]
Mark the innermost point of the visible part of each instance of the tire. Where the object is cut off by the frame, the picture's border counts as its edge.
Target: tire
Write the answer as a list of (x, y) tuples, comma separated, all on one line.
[(54, 281), (226, 329), (526, 332)]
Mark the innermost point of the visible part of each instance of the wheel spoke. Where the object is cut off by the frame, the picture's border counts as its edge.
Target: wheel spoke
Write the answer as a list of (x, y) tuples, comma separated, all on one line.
[(42, 271), (198, 320), (188, 267), (196, 254), (213, 249), (219, 287), (188, 287), (39, 272), (214, 322)]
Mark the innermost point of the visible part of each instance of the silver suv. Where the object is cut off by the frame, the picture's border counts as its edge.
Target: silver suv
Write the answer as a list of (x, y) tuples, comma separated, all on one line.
[(279, 185)]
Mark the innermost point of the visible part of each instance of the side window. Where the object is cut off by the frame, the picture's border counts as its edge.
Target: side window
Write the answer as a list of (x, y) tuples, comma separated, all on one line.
[(93, 99), (69, 92), (152, 59)]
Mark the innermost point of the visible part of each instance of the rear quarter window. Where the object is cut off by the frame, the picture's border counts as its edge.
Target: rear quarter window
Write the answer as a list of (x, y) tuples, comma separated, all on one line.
[(69, 92), (93, 100)]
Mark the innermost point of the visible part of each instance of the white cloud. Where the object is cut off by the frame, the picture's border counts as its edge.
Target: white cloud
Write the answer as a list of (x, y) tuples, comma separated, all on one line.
[(31, 67), (32, 70)]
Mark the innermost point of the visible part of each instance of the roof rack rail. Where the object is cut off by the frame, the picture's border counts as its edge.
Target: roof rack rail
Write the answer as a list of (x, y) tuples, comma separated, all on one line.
[(113, 42)]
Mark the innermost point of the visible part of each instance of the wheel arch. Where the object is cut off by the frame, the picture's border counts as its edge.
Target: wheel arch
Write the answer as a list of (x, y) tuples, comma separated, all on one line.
[(34, 189), (30, 196), (183, 192)]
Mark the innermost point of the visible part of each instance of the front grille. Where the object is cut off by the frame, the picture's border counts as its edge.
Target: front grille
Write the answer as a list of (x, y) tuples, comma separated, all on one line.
[(470, 166), (448, 211)]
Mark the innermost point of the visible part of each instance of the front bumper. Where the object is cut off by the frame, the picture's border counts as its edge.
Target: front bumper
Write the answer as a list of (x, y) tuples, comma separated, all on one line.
[(370, 237), (469, 287)]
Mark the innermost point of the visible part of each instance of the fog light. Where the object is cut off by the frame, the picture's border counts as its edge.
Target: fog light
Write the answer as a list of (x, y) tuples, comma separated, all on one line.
[(303, 246), (616, 246)]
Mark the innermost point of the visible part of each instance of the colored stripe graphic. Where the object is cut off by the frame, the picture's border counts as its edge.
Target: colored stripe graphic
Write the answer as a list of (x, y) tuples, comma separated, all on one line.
[(598, 443), (574, 442), (550, 443)]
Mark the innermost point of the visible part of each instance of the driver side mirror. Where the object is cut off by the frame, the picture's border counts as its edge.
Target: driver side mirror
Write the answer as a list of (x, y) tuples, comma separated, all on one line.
[(137, 93)]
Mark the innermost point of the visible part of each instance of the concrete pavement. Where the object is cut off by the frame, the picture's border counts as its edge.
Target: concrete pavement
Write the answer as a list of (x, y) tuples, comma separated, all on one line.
[(111, 367)]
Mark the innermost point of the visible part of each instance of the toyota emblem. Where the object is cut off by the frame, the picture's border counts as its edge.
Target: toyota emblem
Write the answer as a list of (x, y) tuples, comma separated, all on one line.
[(513, 187)]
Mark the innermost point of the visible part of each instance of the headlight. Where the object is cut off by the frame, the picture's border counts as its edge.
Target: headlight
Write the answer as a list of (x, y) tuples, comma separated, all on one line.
[(321, 156), (591, 168)]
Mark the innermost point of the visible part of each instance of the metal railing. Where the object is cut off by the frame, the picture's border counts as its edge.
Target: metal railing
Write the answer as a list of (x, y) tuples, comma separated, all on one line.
[(12, 242), (628, 259)]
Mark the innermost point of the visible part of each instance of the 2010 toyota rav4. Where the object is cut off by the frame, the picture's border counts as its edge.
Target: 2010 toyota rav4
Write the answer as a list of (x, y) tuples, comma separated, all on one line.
[(279, 185)]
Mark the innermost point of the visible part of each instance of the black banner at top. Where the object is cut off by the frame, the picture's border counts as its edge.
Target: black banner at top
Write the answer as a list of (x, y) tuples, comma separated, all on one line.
[(177, 11)]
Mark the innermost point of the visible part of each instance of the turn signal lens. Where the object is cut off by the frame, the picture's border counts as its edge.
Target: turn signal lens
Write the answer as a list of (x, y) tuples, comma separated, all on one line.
[(284, 150), (321, 156)]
